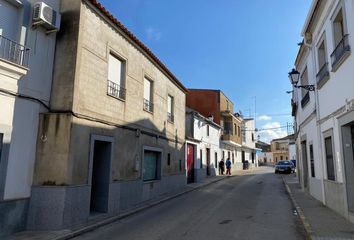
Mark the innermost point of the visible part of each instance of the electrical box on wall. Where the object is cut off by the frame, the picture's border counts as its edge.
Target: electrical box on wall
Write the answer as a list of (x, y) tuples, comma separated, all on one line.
[(45, 16)]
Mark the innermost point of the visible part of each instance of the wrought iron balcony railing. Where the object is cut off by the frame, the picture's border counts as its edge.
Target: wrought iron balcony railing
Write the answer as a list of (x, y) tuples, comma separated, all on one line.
[(341, 50), (170, 117), (14, 52), (323, 74), (148, 106), (115, 90)]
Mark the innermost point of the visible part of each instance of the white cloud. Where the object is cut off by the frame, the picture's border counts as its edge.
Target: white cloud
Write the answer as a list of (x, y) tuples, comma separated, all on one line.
[(272, 131), (264, 118), (153, 34)]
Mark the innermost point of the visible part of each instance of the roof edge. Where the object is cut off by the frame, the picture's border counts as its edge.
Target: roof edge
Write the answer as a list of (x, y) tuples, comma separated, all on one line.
[(132, 37)]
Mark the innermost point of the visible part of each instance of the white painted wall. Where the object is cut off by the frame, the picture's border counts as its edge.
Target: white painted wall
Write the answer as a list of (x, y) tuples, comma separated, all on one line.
[(21, 115), (332, 96), (200, 124)]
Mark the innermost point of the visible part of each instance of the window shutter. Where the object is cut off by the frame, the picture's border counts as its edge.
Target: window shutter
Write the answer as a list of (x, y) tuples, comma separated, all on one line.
[(8, 20), (115, 70)]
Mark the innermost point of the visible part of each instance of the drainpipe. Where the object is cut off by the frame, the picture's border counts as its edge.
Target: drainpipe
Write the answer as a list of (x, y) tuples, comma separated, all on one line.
[(318, 117)]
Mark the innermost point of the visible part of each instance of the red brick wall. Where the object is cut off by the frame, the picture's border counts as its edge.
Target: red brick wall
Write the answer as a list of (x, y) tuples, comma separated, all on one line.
[(206, 102)]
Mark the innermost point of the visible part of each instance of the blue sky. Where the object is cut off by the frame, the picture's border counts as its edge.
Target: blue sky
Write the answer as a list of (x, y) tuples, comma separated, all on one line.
[(243, 47)]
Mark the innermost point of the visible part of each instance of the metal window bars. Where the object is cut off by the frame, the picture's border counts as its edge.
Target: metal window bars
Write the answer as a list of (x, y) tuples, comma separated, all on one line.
[(170, 117), (148, 106), (115, 90), (340, 50)]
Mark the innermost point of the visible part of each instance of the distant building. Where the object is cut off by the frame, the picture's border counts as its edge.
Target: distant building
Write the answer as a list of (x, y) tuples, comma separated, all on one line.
[(216, 105), (202, 146), (265, 155), (280, 148)]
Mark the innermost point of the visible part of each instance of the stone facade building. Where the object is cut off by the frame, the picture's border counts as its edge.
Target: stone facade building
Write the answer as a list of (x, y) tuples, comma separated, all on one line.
[(115, 135)]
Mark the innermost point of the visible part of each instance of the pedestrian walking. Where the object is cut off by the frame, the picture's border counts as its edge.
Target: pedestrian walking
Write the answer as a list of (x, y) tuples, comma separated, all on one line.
[(228, 166), (221, 167)]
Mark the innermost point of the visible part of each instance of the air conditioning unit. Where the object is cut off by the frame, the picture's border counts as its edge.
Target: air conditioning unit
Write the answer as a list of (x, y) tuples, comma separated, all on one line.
[(45, 16)]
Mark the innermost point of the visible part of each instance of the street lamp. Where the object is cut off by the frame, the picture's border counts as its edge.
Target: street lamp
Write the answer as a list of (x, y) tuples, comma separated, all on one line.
[(294, 77)]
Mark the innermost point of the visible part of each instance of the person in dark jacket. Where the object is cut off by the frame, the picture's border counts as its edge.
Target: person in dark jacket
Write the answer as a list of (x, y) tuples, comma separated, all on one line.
[(228, 166), (221, 167)]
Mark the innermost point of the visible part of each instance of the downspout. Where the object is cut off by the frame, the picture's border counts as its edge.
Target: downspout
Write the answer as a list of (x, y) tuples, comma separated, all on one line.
[(318, 118)]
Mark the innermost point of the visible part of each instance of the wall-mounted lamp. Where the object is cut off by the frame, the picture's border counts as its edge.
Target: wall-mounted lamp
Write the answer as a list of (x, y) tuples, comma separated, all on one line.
[(294, 77)]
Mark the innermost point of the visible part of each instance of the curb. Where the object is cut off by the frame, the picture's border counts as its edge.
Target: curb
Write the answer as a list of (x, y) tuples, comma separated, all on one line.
[(305, 223), (127, 214)]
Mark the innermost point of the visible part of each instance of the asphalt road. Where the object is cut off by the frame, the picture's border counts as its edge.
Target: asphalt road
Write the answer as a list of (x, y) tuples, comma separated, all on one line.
[(254, 206)]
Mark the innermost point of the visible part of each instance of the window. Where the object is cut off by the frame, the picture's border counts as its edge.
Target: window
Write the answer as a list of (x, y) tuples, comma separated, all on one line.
[(252, 137), (338, 28), (207, 130), (152, 166), (148, 103), (329, 158), (235, 129), (233, 158), (252, 157), (281, 157), (116, 81), (201, 158), (323, 73), (243, 134), (239, 131), (305, 95), (228, 154), (312, 162), (170, 108), (216, 160), (168, 159), (1, 143), (223, 154), (340, 38)]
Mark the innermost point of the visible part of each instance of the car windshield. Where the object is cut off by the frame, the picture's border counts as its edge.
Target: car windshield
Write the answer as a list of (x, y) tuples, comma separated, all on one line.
[(284, 163)]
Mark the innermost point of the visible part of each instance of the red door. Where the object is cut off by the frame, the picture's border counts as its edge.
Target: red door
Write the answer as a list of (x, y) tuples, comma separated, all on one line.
[(190, 163)]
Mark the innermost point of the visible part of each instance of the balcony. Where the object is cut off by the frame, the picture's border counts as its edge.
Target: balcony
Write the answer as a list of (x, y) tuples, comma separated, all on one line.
[(170, 117), (305, 99), (148, 106), (340, 53), (115, 90), (14, 52), (322, 76)]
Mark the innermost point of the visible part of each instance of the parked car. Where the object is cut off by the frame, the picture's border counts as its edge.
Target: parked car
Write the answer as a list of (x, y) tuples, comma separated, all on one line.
[(284, 166), (294, 162)]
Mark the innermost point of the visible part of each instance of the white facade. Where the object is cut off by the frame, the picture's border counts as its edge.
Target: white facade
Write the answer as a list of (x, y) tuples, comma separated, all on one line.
[(265, 158), (325, 117), (204, 135), (25, 80), (249, 142)]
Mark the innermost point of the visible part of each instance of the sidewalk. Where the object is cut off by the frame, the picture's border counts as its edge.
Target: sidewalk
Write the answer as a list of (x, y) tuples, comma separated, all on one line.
[(104, 220), (319, 221)]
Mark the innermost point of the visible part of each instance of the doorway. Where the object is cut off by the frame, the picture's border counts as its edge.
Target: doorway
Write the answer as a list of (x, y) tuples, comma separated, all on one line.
[(208, 161), (190, 163), (304, 163), (348, 152), (101, 152)]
